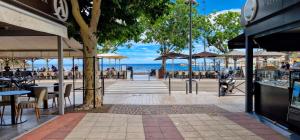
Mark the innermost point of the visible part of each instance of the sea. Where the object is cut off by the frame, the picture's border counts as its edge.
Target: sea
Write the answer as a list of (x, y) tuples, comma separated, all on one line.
[(139, 68)]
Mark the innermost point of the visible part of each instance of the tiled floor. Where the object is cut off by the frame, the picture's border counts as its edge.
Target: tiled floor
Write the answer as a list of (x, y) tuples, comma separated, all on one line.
[(107, 126), (158, 116)]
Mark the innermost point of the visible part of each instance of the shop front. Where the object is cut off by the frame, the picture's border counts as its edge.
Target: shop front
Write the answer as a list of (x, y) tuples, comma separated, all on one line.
[(35, 26), (273, 25)]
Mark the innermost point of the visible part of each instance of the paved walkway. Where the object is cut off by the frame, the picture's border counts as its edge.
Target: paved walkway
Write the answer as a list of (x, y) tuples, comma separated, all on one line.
[(137, 87), (107, 126), (143, 110), (156, 93)]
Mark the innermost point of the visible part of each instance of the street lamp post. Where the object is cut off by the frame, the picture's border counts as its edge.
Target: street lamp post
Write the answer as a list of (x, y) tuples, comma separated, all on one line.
[(190, 2)]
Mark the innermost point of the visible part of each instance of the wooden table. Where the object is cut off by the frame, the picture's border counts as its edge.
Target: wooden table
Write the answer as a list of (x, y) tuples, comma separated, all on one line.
[(12, 95)]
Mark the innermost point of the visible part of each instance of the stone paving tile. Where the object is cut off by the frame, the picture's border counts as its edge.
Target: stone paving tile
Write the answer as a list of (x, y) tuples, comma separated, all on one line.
[(211, 128)]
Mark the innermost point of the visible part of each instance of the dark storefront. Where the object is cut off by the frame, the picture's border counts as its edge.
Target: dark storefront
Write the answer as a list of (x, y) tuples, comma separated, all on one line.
[(273, 25)]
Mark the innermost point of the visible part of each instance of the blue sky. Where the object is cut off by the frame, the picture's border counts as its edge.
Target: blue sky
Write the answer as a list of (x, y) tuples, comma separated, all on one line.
[(141, 53), (146, 53)]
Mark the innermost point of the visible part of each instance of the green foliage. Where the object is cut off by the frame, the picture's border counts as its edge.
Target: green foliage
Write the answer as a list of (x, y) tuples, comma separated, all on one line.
[(218, 29), (171, 30), (119, 20)]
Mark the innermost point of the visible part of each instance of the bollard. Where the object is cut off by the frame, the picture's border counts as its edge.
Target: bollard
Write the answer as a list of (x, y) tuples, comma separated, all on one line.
[(169, 86), (186, 87), (197, 88)]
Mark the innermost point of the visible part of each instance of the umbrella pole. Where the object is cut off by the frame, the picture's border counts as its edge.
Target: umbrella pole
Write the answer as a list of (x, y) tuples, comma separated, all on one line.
[(24, 64), (32, 64), (234, 63), (119, 64), (195, 66), (204, 64), (47, 64), (214, 64), (172, 67)]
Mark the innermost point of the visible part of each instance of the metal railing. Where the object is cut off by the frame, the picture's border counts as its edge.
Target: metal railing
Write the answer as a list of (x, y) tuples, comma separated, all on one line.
[(94, 88), (187, 86)]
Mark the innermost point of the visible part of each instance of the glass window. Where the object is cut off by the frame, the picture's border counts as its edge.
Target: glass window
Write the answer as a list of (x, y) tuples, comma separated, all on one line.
[(296, 95)]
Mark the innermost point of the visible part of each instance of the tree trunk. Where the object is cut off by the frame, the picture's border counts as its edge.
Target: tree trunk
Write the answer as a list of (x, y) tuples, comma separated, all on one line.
[(162, 71), (89, 53)]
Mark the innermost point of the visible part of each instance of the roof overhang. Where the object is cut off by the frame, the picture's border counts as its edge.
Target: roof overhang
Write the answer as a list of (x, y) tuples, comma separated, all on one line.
[(28, 22), (284, 41), (37, 46)]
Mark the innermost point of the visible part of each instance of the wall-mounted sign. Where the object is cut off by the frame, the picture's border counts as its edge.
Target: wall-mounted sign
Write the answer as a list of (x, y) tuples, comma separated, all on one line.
[(250, 10), (54, 8), (61, 9)]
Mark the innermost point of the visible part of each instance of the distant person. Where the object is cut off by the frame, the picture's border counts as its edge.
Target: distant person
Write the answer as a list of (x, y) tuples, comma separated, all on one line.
[(18, 73), (131, 72), (7, 72), (287, 65), (7, 68), (282, 66), (54, 69), (76, 67), (294, 64)]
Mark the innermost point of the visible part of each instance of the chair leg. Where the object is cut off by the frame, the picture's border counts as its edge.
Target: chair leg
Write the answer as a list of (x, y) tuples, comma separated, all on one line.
[(54, 102), (36, 113), (70, 101), (16, 110), (2, 113), (0, 117), (21, 114), (65, 102), (17, 114), (39, 113)]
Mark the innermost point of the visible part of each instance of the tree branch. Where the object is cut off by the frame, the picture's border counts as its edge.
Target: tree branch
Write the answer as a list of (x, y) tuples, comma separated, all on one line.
[(76, 13), (96, 12)]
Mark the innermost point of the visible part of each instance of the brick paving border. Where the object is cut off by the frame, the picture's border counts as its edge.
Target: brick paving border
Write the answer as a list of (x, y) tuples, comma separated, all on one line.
[(57, 129), (254, 126), (160, 127)]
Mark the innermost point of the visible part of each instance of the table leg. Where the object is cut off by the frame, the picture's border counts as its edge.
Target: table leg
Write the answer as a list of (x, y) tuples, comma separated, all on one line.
[(45, 104), (13, 112)]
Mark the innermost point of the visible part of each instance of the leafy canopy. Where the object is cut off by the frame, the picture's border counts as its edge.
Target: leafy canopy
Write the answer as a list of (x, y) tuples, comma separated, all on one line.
[(218, 28), (171, 30), (119, 20)]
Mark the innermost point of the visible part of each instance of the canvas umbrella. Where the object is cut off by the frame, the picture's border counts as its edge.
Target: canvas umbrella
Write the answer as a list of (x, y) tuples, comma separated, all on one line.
[(172, 56), (266, 55), (205, 55), (235, 55), (114, 56)]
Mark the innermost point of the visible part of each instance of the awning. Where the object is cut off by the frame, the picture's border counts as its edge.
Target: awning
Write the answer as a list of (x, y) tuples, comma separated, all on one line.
[(285, 41), (30, 21), (41, 54), (35, 43), (237, 42), (37, 47)]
